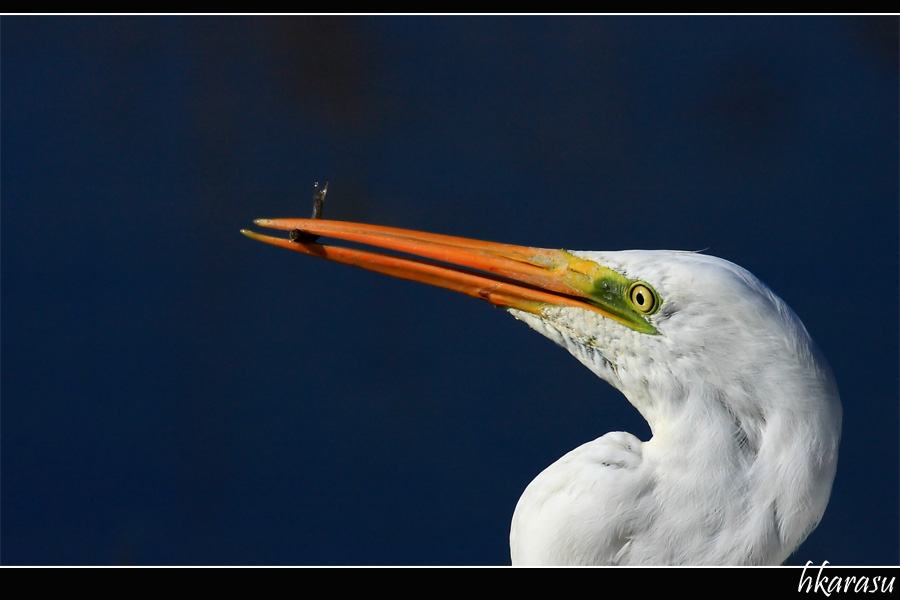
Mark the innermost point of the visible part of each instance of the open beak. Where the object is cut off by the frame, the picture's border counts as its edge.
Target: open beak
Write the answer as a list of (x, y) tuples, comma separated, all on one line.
[(520, 277)]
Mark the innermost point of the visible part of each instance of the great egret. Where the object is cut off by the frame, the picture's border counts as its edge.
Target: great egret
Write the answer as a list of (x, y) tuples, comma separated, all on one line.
[(744, 413)]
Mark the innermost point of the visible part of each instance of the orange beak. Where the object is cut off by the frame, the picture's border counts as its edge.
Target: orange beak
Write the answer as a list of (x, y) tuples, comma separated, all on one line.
[(520, 277)]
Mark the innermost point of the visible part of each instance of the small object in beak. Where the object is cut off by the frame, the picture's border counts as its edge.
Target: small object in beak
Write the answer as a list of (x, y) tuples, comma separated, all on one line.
[(318, 204)]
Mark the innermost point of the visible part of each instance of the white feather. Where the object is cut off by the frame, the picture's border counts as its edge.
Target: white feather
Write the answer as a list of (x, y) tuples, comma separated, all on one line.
[(745, 420)]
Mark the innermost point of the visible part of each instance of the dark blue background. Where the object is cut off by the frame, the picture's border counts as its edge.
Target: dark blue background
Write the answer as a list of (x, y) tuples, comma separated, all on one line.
[(174, 393)]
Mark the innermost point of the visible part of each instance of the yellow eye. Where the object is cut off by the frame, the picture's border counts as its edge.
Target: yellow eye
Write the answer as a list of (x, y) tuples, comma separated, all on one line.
[(643, 298)]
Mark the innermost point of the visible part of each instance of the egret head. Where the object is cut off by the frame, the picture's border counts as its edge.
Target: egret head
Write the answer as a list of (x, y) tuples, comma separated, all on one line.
[(731, 384), (713, 330), (742, 406)]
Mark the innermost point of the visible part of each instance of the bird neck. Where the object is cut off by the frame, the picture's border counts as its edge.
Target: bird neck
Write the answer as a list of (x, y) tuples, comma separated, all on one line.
[(763, 458)]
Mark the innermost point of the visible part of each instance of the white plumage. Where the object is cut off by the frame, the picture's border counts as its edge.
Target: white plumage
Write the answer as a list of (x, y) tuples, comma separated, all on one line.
[(745, 421), (744, 413)]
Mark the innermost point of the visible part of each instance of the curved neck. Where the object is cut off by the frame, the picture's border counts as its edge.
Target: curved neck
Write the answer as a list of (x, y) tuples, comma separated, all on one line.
[(767, 471)]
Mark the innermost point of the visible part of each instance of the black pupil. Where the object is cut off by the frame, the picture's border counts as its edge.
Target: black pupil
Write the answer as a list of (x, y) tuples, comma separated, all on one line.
[(639, 298)]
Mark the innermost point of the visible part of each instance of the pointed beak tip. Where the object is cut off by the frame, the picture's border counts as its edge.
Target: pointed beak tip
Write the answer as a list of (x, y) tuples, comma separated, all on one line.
[(253, 235)]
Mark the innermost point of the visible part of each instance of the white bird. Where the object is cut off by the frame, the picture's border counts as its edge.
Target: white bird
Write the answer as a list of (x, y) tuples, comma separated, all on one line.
[(744, 412)]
